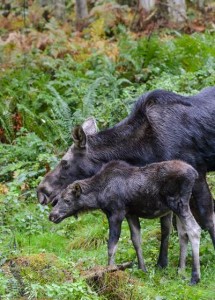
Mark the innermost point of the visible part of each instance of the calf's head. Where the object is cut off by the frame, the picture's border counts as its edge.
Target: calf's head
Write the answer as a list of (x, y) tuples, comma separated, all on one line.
[(68, 205), (76, 164)]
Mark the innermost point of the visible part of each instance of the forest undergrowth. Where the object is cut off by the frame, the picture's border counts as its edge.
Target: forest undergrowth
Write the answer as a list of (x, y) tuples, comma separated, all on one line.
[(51, 79)]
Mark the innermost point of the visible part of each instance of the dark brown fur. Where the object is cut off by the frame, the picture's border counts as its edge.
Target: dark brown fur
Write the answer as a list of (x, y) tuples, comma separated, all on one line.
[(121, 190), (162, 126)]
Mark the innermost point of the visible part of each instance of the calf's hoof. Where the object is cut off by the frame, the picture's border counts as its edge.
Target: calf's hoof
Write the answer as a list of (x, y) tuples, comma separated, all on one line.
[(143, 268)]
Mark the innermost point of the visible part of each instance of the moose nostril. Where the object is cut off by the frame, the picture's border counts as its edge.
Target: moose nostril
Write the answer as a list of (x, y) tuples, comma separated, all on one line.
[(44, 191), (43, 198), (43, 194)]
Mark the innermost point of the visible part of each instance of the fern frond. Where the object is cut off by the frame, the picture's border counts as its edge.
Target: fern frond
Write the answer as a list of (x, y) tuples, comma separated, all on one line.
[(6, 122)]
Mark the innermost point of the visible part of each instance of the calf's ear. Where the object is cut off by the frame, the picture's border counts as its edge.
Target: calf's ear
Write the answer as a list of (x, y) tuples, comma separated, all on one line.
[(79, 137), (89, 126), (76, 190)]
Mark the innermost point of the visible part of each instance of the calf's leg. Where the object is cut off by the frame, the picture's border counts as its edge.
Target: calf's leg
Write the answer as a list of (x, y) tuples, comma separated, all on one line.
[(193, 232), (134, 225), (183, 240), (166, 224), (115, 223)]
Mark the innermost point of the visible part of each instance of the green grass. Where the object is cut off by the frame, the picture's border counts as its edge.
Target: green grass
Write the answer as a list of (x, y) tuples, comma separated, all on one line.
[(38, 246), (52, 94), (82, 243)]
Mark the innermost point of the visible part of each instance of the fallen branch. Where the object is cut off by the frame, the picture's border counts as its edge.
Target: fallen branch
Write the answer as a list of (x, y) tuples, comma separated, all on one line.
[(150, 17), (98, 273)]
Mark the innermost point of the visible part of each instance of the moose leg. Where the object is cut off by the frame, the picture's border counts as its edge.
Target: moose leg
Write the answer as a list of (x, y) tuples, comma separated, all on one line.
[(134, 225), (166, 224), (114, 234), (205, 206)]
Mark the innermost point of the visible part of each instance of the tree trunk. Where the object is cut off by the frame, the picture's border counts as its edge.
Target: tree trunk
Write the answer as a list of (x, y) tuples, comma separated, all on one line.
[(81, 9), (43, 2), (201, 4), (81, 14), (147, 5), (59, 9), (177, 10)]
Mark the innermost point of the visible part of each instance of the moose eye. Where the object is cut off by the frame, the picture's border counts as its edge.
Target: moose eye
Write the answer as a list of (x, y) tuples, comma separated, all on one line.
[(67, 201), (64, 164)]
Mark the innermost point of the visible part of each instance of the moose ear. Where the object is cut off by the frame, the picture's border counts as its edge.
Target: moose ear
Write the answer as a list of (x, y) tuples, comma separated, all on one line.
[(89, 126), (76, 190), (79, 133), (79, 137)]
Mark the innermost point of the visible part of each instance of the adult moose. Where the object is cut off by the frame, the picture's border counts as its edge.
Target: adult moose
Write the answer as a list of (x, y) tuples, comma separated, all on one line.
[(162, 126)]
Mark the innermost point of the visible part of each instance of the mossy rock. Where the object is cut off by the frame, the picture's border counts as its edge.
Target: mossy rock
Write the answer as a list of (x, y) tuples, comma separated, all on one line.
[(40, 268), (118, 286)]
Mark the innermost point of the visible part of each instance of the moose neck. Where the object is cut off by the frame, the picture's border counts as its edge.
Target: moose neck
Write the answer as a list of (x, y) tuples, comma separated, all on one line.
[(115, 143)]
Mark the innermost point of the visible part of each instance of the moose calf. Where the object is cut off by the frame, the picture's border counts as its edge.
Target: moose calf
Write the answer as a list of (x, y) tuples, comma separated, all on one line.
[(124, 191)]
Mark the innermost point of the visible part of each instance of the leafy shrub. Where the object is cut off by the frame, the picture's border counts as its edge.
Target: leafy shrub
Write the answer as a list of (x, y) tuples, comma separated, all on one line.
[(78, 290), (52, 95), (26, 158)]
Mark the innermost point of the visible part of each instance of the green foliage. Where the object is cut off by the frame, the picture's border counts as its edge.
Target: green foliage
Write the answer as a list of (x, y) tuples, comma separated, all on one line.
[(78, 290), (56, 85), (43, 275), (25, 159), (149, 58), (54, 94)]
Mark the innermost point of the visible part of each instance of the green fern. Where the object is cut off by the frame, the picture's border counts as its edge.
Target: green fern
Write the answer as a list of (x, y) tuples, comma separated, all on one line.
[(6, 122)]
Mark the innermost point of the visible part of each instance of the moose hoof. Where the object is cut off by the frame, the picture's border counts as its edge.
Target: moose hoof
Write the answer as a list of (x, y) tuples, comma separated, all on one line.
[(162, 264), (194, 281)]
